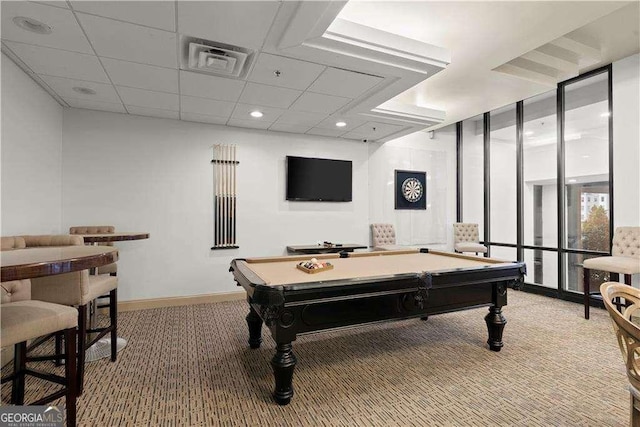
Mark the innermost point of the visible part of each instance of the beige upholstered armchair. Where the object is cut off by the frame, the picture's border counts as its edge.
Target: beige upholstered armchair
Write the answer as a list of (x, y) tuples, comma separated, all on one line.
[(624, 259), (466, 238), (383, 237), (112, 268), (628, 335), (21, 320)]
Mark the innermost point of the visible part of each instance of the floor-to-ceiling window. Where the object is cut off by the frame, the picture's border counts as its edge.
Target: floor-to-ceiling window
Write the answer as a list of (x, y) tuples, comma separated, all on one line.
[(587, 215), (502, 183), (473, 172), (539, 189), (548, 180)]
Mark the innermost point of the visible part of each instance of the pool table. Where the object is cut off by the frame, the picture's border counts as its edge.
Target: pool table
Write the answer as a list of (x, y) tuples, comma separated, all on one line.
[(366, 288)]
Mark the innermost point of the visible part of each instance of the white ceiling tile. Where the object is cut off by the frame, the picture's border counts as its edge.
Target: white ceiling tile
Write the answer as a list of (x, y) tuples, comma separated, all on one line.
[(240, 23), (343, 83), (192, 104), (351, 123), (318, 103), (269, 96), (66, 33), (203, 118), (60, 63), (153, 112), (147, 98), (270, 114), (121, 40), (248, 124), (159, 14), (286, 127), (213, 87), (325, 132), (300, 118), (64, 88), (95, 105), (374, 130), (294, 74), (141, 76)]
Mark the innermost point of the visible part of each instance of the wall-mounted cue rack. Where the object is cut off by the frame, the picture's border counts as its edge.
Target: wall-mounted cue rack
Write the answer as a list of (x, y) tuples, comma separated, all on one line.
[(224, 196)]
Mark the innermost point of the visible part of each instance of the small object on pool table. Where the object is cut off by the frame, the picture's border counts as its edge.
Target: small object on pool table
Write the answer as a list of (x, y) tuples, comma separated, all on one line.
[(313, 266)]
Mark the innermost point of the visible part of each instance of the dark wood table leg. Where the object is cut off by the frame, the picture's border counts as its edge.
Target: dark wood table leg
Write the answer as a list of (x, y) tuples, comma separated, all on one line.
[(283, 364), (495, 325), (255, 328)]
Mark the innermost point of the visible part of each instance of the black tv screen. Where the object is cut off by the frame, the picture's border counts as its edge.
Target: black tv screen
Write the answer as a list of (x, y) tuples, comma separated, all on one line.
[(325, 180)]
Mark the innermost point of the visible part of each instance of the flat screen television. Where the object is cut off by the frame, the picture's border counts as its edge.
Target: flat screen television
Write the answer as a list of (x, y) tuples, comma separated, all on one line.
[(325, 180)]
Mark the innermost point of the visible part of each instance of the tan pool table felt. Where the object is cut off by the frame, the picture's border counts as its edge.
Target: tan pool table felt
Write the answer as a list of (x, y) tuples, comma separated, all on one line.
[(282, 270)]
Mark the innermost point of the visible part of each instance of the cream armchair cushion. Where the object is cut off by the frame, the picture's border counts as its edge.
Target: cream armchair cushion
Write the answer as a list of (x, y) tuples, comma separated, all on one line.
[(466, 238), (98, 229), (12, 242), (625, 252), (22, 319), (383, 237), (16, 290), (53, 240), (25, 320), (76, 288)]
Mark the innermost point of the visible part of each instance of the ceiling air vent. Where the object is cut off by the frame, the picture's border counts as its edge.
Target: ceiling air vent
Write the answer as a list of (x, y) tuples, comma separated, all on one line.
[(215, 58)]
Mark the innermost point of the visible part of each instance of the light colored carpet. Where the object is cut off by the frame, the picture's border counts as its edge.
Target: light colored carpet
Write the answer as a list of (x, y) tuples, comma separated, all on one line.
[(192, 366)]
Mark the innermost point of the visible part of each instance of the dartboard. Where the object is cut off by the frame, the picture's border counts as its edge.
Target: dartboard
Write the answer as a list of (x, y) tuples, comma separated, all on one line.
[(412, 190)]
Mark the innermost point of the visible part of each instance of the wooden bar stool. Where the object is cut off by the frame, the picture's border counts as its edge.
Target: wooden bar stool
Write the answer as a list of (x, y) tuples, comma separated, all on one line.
[(23, 319), (624, 259)]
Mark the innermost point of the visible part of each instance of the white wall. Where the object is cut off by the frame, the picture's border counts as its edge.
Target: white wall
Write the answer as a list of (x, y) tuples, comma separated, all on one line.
[(436, 157), (155, 175), (626, 139), (30, 155)]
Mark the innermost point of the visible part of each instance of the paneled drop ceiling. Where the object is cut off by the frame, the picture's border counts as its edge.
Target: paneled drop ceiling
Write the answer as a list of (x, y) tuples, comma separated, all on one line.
[(129, 57), (384, 68)]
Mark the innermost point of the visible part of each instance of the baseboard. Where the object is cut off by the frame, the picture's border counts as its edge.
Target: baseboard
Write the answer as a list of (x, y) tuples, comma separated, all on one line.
[(145, 304)]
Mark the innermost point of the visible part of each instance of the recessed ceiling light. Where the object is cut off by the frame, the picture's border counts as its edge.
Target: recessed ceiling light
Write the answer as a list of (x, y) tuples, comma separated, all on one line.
[(585, 156), (257, 114), (571, 181), (607, 114), (528, 133), (84, 90), (341, 124), (32, 25)]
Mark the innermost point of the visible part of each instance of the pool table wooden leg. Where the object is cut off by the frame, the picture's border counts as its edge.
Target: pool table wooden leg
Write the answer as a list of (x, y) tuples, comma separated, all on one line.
[(495, 324), (255, 328), (283, 364)]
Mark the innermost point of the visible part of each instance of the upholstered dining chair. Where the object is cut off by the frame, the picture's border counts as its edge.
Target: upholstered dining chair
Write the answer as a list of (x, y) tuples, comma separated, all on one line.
[(383, 237), (628, 335), (466, 238), (624, 259), (77, 289), (111, 269), (23, 319)]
